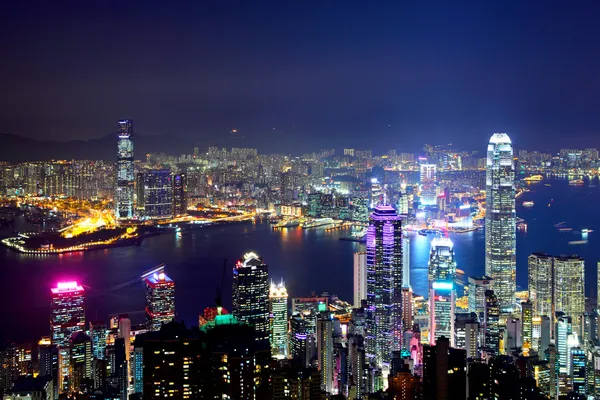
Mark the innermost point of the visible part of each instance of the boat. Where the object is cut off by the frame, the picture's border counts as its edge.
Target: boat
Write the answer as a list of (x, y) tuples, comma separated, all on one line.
[(528, 204), (576, 182), (559, 224), (547, 184), (585, 230), (317, 223), (565, 229), (534, 178), (578, 242)]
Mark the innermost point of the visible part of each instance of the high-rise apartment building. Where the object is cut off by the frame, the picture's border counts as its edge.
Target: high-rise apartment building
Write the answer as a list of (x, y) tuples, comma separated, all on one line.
[(360, 278), (125, 173), (251, 293), (500, 220), (160, 300), (384, 285), (278, 317)]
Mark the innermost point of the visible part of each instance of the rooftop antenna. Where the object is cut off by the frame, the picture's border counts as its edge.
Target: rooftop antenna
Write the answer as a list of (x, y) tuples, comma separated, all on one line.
[(219, 295)]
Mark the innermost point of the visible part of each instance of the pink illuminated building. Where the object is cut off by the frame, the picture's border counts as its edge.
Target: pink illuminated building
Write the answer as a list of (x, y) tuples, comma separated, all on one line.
[(68, 312)]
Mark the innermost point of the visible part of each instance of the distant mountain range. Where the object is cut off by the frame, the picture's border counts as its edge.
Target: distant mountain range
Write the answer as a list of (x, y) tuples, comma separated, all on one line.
[(15, 148)]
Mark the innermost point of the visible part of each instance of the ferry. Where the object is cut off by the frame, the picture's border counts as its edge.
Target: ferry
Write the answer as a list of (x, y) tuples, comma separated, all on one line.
[(287, 224), (561, 223), (534, 178), (585, 230), (578, 242), (528, 204), (565, 229), (547, 184), (576, 182), (317, 223)]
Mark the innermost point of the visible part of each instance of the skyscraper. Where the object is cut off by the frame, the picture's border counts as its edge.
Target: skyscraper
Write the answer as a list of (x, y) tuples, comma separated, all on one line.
[(491, 321), (160, 300), (98, 333), (442, 295), (569, 284), (541, 283), (179, 194), (325, 351), (476, 292), (428, 184), (251, 293), (158, 194), (384, 285), (81, 361), (125, 177), (527, 323), (278, 315), (68, 317), (360, 278), (500, 220)]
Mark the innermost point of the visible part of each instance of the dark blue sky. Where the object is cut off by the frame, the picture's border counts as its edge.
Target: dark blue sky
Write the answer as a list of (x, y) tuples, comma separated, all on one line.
[(330, 72)]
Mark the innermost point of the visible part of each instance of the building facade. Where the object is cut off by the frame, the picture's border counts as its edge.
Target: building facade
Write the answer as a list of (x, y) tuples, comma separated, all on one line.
[(160, 300), (125, 171), (500, 220), (278, 317)]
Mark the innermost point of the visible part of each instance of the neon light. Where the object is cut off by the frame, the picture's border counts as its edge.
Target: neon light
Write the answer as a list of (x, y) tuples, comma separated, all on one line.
[(66, 285), (442, 285)]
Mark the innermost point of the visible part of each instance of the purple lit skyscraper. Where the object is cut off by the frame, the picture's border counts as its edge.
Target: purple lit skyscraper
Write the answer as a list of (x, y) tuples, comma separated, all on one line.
[(384, 285)]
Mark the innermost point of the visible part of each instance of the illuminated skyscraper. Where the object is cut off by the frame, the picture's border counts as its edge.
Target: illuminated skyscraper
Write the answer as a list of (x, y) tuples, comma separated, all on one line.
[(384, 285), (68, 317), (160, 300), (477, 288), (569, 287), (98, 332), (541, 283), (179, 194), (527, 323), (428, 184), (278, 315), (360, 278), (491, 321), (81, 360), (325, 351), (68, 312), (251, 294), (442, 295), (125, 178), (500, 220), (157, 194)]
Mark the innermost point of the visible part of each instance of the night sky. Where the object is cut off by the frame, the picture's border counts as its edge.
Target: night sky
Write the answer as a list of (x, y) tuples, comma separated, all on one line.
[(330, 72)]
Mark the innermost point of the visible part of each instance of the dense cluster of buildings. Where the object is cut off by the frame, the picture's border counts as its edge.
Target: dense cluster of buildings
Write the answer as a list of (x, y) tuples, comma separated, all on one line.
[(389, 343)]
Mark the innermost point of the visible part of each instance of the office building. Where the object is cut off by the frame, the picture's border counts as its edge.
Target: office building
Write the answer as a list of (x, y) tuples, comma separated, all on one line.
[(295, 382), (179, 182), (125, 172), (325, 351), (407, 307), (98, 332), (360, 278), (251, 294), (48, 362), (428, 184), (569, 287), (157, 194), (541, 283), (527, 323), (384, 284), (160, 300), (491, 321), (442, 294), (540, 332), (578, 370), (478, 285), (500, 220), (444, 371), (278, 317), (81, 362)]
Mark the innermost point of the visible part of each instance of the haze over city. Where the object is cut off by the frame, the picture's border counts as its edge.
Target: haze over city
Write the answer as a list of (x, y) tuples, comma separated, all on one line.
[(322, 74)]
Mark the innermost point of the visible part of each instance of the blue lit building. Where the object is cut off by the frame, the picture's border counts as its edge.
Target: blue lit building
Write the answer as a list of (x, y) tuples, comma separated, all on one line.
[(125, 177), (157, 194), (384, 285)]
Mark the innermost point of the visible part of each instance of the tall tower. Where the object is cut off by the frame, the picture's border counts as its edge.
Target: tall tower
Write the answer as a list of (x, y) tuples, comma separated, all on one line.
[(541, 284), (360, 278), (384, 285), (569, 287), (500, 220), (442, 294), (278, 315), (125, 177), (160, 300), (68, 317), (251, 294)]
